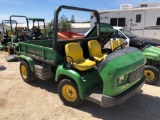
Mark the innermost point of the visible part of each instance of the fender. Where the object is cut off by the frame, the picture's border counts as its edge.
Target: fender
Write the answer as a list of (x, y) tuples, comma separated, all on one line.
[(74, 75), (29, 60)]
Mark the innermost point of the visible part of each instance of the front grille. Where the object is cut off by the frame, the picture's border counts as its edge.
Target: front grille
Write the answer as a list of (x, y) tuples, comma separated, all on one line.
[(135, 74)]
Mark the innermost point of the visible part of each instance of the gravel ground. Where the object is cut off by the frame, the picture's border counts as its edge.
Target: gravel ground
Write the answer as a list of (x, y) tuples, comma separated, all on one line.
[(40, 101)]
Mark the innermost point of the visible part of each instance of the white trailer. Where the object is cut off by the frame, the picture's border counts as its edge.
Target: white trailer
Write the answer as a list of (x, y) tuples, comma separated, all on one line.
[(143, 20)]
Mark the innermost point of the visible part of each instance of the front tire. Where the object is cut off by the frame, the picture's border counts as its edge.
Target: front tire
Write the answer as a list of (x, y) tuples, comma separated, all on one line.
[(68, 93), (152, 74), (26, 74)]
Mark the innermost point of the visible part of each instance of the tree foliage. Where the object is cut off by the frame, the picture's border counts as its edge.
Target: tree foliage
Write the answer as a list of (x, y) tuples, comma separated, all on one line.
[(63, 24), (72, 19), (50, 25)]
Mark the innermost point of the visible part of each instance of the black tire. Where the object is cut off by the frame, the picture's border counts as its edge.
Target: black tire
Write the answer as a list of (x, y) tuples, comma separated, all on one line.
[(76, 101), (10, 50), (30, 76), (152, 74)]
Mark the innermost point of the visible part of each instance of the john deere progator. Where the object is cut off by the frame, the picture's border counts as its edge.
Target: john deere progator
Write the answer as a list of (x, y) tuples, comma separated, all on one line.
[(19, 33), (152, 68), (35, 30), (24, 33), (7, 34), (82, 70)]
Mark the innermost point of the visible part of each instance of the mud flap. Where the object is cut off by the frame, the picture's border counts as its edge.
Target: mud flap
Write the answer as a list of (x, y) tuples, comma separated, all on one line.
[(11, 58)]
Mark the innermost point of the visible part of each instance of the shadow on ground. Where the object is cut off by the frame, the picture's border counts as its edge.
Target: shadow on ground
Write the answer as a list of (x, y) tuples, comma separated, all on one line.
[(2, 67), (49, 85), (139, 107), (158, 83)]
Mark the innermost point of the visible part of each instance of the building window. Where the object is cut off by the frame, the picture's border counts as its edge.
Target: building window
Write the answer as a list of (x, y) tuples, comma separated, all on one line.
[(138, 18), (158, 21), (121, 22), (113, 21), (118, 22), (145, 5)]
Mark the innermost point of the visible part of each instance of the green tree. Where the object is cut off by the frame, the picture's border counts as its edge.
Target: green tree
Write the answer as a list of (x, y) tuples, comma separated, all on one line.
[(50, 25), (64, 24), (72, 19)]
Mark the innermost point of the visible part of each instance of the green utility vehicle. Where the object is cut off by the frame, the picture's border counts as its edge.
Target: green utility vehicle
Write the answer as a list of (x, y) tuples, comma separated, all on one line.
[(23, 33), (35, 30), (152, 68), (7, 34), (19, 33), (80, 67)]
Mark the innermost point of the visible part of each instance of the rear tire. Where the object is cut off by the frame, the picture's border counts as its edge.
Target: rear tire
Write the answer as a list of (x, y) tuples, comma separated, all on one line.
[(68, 93), (152, 74), (26, 74)]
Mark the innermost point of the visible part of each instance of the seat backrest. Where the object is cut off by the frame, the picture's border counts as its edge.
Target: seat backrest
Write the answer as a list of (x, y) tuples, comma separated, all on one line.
[(120, 41), (75, 51), (9, 33), (19, 29), (34, 28), (94, 48), (114, 44)]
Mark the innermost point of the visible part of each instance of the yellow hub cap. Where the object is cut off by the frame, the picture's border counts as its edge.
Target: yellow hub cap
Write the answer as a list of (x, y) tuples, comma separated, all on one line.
[(24, 71), (69, 93), (149, 75)]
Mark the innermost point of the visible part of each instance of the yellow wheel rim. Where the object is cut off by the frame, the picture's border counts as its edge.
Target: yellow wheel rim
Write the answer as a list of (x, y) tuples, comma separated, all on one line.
[(149, 75), (69, 93), (24, 71)]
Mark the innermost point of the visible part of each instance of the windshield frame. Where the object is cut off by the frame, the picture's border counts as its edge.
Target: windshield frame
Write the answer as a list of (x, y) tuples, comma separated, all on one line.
[(127, 33)]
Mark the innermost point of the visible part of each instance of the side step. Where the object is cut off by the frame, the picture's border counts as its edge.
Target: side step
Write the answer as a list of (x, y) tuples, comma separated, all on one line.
[(11, 58), (95, 95)]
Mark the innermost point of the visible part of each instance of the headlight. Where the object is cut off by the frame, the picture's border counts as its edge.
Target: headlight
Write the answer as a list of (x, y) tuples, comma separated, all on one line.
[(120, 80)]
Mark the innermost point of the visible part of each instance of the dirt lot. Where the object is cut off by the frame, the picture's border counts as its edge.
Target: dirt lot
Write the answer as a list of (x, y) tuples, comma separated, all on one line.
[(40, 101)]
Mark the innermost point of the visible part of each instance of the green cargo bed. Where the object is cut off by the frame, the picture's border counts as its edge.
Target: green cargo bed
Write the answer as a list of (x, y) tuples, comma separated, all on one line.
[(41, 49)]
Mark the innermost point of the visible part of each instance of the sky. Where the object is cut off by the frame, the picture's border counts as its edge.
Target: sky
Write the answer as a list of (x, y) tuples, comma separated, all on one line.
[(45, 8)]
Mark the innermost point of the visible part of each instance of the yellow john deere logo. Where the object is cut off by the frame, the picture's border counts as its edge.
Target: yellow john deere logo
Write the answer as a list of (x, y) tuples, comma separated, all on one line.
[(35, 51), (123, 87)]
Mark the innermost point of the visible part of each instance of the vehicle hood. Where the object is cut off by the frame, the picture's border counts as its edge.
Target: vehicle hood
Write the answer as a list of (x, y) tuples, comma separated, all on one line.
[(121, 62), (147, 41), (152, 53)]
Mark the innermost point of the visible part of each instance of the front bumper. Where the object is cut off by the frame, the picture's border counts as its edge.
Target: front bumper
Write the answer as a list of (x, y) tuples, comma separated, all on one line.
[(107, 101)]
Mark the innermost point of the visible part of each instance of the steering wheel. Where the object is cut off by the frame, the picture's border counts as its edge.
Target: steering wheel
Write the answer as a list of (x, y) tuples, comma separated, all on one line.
[(121, 46), (26, 31), (24, 36)]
